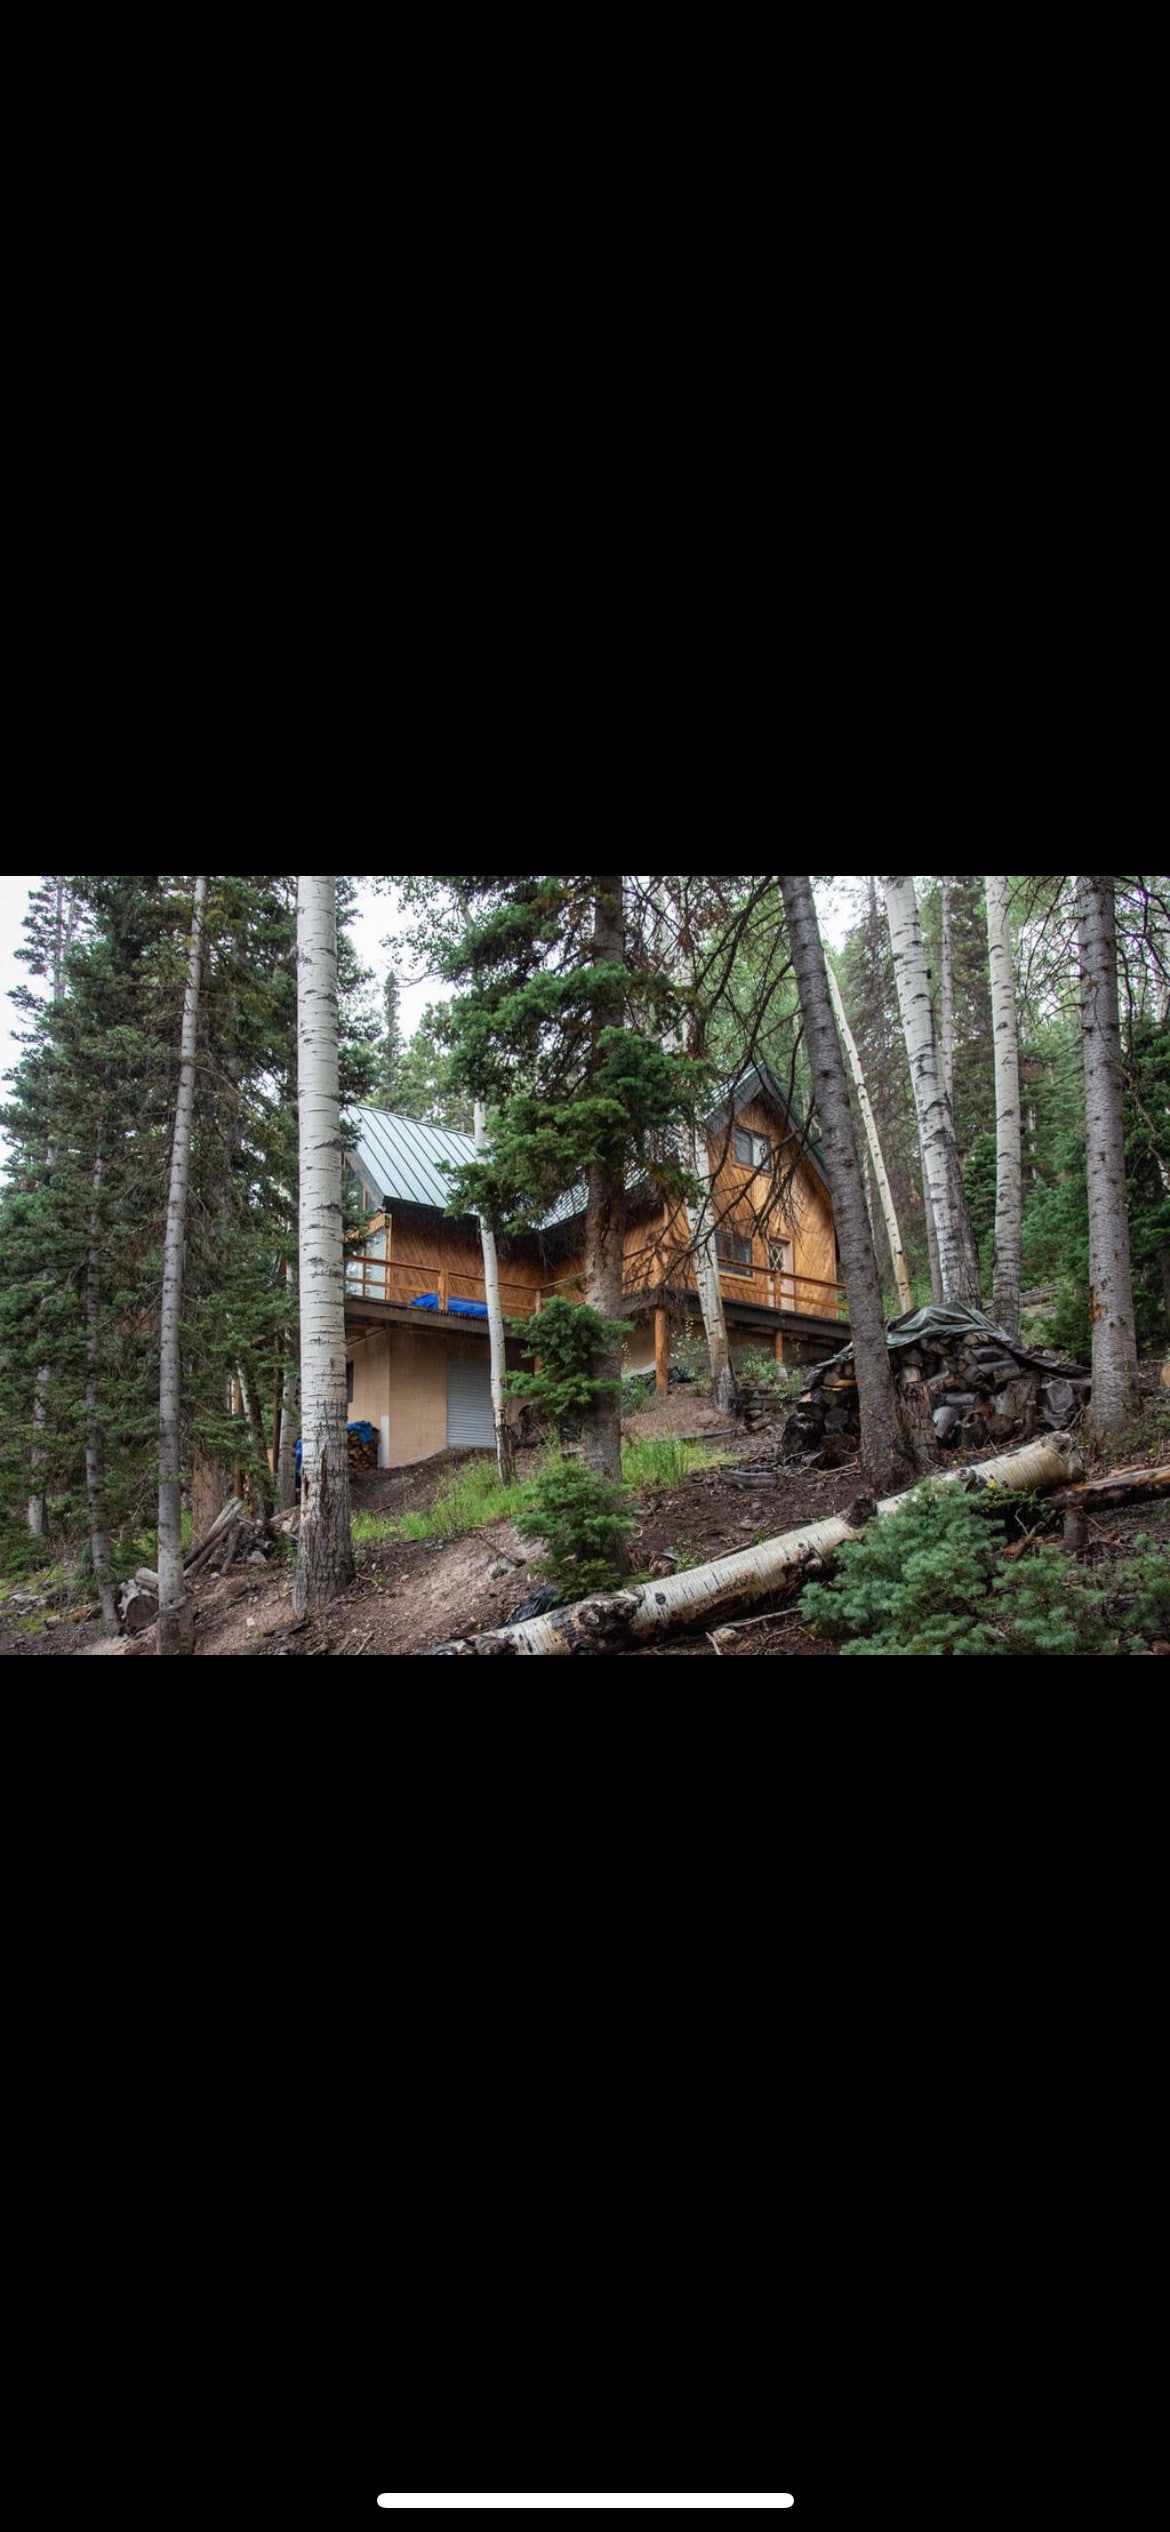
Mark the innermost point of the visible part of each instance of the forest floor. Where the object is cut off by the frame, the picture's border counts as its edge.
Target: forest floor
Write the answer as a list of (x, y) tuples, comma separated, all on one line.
[(409, 1596)]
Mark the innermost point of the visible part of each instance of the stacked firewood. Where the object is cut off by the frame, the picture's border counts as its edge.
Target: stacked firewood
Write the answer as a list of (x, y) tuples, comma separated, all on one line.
[(980, 1390), (236, 1535), (761, 1408)]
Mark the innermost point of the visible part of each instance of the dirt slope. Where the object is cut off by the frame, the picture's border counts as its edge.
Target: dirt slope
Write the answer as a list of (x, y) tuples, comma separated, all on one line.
[(410, 1596)]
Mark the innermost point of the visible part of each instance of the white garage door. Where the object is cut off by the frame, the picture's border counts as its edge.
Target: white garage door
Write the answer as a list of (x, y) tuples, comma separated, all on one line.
[(469, 1402)]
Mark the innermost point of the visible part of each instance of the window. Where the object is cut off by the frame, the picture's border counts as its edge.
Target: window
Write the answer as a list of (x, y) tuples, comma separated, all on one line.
[(754, 1150), (349, 1384), (734, 1254), (780, 1257)]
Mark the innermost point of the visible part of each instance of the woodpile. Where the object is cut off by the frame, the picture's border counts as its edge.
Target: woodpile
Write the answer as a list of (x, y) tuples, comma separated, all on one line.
[(235, 1535), (762, 1409), (980, 1390)]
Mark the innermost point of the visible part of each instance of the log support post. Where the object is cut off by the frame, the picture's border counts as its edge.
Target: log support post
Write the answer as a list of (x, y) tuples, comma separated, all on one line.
[(778, 1345), (661, 1354)]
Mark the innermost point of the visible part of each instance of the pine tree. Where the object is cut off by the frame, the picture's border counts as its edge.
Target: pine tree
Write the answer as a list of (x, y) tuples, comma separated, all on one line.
[(545, 1031), (390, 1052), (675, 948), (97, 1083), (425, 1085), (79, 1277)]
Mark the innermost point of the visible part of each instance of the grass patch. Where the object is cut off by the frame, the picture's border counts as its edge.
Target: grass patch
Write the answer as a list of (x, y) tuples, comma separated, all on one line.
[(369, 1528), (666, 1462), (469, 1499)]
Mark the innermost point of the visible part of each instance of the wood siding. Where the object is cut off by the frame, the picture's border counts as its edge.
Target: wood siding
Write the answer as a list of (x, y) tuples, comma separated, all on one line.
[(421, 1248), (755, 1205)]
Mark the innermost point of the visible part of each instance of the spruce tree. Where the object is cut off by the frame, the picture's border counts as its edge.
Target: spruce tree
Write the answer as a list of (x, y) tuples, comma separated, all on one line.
[(390, 1052), (546, 1029)]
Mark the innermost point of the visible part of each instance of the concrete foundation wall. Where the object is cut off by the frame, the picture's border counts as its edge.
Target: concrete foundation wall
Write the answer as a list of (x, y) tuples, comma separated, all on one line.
[(418, 1396)]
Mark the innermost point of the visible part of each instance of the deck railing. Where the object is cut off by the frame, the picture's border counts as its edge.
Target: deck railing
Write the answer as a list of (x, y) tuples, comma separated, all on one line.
[(384, 1279)]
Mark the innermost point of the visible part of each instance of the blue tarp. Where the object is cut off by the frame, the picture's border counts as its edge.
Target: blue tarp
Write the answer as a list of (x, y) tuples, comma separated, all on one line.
[(461, 1309)]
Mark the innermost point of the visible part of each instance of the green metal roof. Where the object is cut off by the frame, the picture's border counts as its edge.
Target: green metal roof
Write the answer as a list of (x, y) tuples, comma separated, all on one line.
[(400, 1160), (397, 1157)]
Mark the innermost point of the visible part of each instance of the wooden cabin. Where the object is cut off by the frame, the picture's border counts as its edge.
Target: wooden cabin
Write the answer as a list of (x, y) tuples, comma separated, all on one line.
[(415, 1312)]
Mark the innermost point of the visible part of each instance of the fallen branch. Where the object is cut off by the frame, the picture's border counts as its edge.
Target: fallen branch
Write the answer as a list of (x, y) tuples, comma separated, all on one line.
[(233, 1511), (613, 1620), (1119, 1485), (771, 1617)]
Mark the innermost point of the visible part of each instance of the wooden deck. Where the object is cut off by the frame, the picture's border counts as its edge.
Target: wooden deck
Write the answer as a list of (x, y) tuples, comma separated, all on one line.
[(386, 1294)]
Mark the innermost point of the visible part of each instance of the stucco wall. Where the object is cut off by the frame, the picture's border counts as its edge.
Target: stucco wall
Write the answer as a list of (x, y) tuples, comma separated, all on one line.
[(371, 1380)]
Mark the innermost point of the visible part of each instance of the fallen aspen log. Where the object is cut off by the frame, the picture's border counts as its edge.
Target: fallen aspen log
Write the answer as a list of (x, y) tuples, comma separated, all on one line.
[(615, 1619), (137, 1609)]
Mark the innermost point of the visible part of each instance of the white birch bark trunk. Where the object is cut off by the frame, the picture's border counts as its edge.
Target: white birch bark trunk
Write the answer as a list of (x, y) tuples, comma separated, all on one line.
[(1115, 1373), (886, 1449), (701, 1227), (880, 1172), (958, 1257), (947, 997), (324, 1545), (678, 961), (505, 1456), (95, 1486), (1006, 1043), (176, 1629)]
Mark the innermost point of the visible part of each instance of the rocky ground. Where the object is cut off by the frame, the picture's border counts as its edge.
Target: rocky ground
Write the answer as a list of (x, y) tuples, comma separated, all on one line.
[(410, 1596)]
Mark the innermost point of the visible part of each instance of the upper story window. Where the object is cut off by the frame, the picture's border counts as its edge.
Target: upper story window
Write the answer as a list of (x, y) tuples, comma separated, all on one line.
[(734, 1254), (754, 1150)]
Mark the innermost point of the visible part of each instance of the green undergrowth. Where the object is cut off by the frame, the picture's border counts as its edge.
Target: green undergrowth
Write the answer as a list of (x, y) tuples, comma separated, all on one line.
[(471, 1497), (666, 1462), (940, 1577)]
